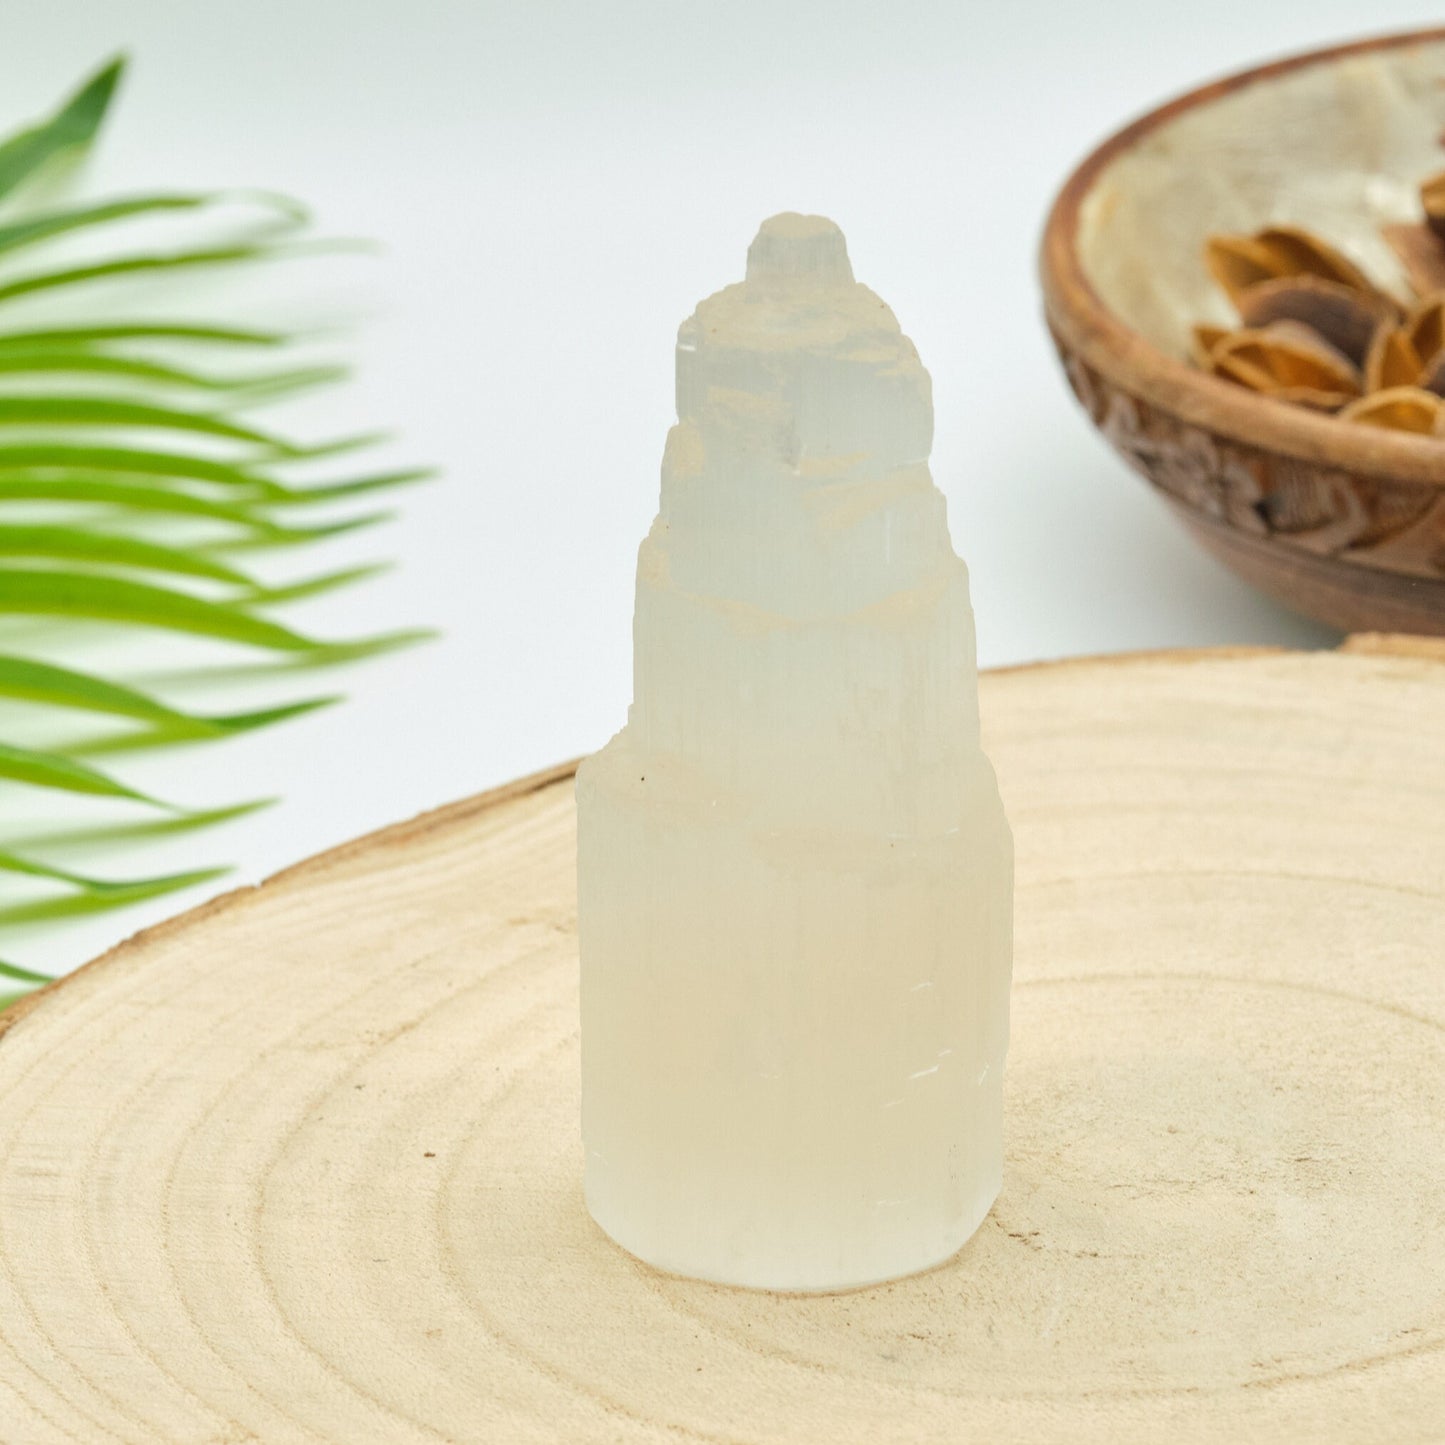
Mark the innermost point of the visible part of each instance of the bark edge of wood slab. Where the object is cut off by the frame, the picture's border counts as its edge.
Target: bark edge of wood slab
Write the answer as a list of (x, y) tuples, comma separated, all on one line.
[(302, 1164)]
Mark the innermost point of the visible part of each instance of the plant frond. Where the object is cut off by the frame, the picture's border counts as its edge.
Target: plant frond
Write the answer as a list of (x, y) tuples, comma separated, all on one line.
[(91, 895), (39, 769), (70, 129), (131, 497), (358, 486), (283, 214), (27, 680), (312, 586), (35, 229), (20, 975), (105, 411), (36, 592), (194, 729), (130, 475), (207, 335), (114, 549), (44, 458), (90, 836), (244, 389), (137, 265)]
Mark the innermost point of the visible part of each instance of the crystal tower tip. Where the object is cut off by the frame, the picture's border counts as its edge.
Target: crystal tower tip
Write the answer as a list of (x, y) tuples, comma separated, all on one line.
[(794, 248)]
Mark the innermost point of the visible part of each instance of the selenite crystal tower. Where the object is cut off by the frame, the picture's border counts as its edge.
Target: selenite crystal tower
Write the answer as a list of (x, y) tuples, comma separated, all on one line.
[(795, 875)]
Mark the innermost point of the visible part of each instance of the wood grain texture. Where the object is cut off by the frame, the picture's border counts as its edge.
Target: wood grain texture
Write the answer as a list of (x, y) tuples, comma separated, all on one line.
[(304, 1166), (1341, 522)]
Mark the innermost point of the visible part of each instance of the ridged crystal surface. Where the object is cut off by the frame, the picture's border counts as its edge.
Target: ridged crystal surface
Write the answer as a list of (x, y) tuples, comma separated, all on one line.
[(795, 876)]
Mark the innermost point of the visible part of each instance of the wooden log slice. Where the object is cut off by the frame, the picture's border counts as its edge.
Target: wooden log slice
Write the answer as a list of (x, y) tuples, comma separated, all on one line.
[(303, 1165)]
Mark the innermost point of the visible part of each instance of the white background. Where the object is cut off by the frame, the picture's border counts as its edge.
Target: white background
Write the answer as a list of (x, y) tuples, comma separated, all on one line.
[(555, 186)]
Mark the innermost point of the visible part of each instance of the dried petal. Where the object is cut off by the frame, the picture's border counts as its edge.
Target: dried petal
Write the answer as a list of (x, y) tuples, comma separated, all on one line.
[(1239, 262), (1302, 253), (1345, 317), (1288, 356), (1401, 408), (1420, 253), (1205, 339), (1305, 340), (1432, 374), (1432, 198), (1289, 363), (1391, 360), (1425, 326)]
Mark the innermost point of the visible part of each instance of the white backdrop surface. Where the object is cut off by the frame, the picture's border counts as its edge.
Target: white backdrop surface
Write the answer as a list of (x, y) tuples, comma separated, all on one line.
[(555, 186)]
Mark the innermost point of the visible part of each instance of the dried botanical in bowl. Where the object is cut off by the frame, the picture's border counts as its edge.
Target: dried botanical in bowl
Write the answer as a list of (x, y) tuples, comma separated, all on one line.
[(1432, 198), (1318, 332), (1334, 502)]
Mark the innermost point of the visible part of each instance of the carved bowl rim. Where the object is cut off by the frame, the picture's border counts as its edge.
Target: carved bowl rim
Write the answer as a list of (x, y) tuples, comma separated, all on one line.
[(1085, 325)]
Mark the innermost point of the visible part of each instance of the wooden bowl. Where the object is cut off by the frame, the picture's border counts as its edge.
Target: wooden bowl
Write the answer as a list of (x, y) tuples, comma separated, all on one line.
[(1342, 522)]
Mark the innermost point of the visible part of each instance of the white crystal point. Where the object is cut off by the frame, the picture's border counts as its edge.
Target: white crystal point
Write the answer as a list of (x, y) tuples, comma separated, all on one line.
[(795, 879), (799, 250)]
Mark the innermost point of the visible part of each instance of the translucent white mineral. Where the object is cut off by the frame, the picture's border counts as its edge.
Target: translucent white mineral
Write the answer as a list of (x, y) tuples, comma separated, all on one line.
[(795, 875)]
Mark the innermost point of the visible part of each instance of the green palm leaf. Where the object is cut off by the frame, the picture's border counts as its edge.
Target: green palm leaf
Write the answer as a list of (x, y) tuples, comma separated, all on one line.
[(144, 331), (39, 769), (312, 586), (268, 535), (283, 496), (114, 548), (123, 460), (14, 361), (90, 836), (70, 129), (280, 664), (58, 223), (91, 895), (38, 462), (37, 486), (36, 229), (48, 593), (21, 975), (26, 976), (122, 266), (27, 680), (195, 729), (161, 501), (88, 411)]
